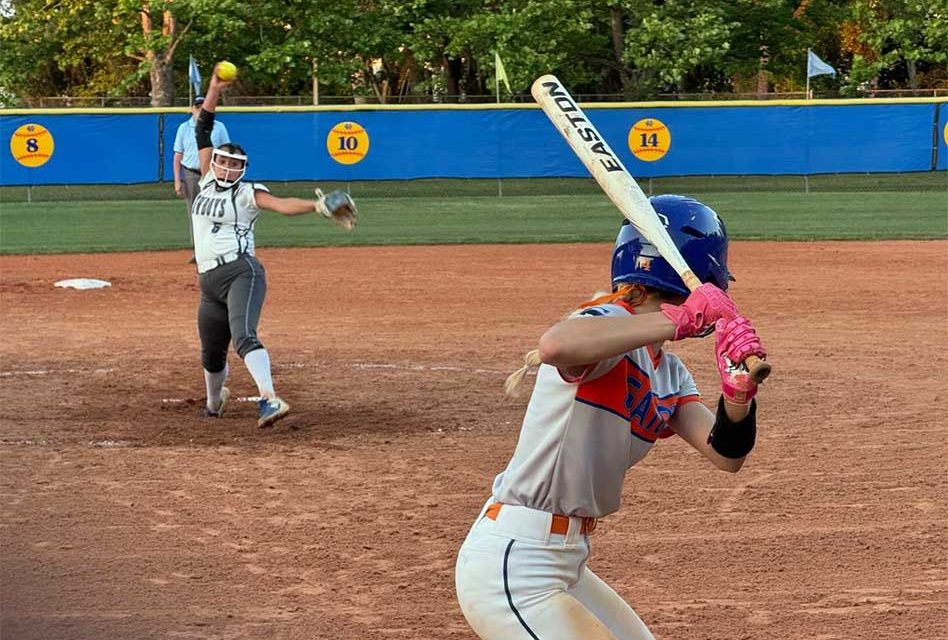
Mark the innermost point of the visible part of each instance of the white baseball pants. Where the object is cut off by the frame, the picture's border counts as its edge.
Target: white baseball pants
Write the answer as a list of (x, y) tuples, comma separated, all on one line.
[(515, 579)]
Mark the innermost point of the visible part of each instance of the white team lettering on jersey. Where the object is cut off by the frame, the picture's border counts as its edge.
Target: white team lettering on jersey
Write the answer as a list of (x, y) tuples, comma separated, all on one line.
[(223, 220)]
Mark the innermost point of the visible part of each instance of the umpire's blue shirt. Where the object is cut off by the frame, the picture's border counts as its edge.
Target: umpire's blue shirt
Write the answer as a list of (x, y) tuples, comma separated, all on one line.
[(186, 144)]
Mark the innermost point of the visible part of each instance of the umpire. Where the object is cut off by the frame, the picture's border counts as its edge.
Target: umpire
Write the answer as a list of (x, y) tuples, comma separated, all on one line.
[(187, 166)]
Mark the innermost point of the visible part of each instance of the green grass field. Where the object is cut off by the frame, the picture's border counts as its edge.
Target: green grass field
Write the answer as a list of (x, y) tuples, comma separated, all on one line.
[(85, 219)]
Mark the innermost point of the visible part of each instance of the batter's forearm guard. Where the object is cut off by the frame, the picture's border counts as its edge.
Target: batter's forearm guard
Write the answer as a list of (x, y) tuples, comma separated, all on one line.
[(203, 128), (733, 439)]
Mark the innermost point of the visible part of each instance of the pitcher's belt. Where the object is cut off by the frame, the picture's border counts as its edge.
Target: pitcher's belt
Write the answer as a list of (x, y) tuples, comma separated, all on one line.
[(206, 265), (559, 525)]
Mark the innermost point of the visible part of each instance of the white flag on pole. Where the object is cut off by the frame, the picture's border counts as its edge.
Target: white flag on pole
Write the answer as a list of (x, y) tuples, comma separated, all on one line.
[(194, 75), (816, 67)]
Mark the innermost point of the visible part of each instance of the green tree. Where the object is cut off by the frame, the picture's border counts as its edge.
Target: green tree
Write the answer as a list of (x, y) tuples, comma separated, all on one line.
[(391, 50), (101, 47), (532, 36), (666, 43), (49, 49), (354, 47), (895, 41), (769, 44)]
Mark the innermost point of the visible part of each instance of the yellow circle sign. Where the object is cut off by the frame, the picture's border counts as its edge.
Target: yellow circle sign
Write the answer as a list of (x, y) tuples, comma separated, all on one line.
[(649, 139), (32, 145), (946, 134), (347, 143)]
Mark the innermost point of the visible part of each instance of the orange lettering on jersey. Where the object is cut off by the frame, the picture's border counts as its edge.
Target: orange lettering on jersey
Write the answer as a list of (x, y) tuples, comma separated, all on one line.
[(627, 392), (608, 392)]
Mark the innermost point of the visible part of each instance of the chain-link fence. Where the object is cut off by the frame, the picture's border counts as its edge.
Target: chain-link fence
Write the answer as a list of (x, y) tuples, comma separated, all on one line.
[(85, 102)]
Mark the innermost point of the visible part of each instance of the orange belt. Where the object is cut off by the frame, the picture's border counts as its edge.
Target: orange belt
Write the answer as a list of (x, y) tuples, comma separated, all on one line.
[(559, 525)]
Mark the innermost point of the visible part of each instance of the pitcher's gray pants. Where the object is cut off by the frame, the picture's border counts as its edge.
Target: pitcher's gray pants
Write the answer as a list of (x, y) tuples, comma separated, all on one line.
[(231, 301)]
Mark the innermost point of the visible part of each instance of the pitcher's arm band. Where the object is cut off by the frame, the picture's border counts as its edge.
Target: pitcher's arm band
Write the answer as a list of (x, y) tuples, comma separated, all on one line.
[(733, 439), (203, 128)]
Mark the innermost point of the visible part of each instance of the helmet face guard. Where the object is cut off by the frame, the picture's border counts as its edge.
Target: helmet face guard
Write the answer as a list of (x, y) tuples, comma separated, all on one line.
[(231, 176), (698, 233)]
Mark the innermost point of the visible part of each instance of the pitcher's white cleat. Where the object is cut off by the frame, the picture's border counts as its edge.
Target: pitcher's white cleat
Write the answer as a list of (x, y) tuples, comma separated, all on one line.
[(217, 413)]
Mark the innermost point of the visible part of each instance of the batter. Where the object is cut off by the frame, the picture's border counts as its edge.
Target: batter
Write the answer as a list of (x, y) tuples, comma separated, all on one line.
[(605, 393)]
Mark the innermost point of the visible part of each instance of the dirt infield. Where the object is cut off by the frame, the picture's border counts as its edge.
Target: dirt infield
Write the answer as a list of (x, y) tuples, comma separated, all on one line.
[(126, 516)]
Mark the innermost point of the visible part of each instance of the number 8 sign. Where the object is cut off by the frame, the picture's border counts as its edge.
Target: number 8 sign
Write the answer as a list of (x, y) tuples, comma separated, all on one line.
[(32, 145), (347, 142)]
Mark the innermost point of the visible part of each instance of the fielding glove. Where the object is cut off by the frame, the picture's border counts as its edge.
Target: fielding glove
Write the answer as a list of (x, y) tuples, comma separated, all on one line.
[(338, 207)]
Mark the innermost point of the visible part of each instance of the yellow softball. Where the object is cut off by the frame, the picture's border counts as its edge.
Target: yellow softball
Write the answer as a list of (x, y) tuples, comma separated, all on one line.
[(32, 145), (649, 139), (226, 71), (347, 143)]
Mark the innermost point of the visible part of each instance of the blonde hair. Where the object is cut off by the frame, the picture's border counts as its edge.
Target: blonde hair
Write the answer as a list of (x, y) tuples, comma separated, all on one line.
[(632, 294)]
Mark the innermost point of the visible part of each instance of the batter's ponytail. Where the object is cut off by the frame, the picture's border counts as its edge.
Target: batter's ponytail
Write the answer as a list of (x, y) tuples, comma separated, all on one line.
[(515, 380)]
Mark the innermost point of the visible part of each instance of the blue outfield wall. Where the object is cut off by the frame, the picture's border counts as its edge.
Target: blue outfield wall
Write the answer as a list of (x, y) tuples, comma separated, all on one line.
[(491, 142), (109, 148)]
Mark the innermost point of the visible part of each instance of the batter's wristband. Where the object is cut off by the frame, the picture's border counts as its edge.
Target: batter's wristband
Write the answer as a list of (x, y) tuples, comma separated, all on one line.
[(736, 394), (203, 129)]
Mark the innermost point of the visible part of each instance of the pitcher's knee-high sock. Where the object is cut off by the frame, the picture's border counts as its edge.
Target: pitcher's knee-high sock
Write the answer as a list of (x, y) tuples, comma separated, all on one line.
[(258, 364), (213, 383)]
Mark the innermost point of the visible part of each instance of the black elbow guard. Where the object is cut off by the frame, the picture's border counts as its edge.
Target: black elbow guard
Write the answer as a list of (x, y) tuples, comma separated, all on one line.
[(203, 128), (733, 439)]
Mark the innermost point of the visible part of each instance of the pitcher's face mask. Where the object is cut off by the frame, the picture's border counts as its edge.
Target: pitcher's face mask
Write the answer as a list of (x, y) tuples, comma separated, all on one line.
[(228, 167)]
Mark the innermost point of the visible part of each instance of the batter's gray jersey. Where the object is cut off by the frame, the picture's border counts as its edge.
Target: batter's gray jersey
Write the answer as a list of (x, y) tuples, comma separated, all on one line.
[(223, 222), (579, 436)]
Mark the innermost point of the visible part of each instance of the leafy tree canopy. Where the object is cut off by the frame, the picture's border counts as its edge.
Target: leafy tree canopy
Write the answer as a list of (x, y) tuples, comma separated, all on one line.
[(441, 50)]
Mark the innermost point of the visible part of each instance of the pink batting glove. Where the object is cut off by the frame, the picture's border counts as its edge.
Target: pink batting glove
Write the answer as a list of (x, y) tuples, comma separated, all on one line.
[(734, 340), (706, 305)]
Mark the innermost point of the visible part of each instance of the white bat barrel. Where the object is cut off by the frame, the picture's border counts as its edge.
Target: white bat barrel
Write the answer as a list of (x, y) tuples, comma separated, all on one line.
[(611, 174)]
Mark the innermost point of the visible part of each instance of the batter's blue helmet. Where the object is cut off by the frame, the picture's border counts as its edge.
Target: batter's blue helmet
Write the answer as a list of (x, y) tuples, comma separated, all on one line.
[(698, 233)]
